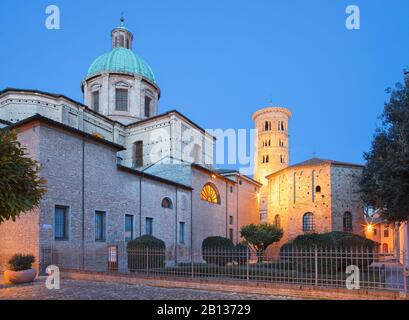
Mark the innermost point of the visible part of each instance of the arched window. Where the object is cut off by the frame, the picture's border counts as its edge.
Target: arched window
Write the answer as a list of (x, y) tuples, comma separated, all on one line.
[(347, 221), (210, 194), (308, 222), (277, 221), (167, 203), (318, 189)]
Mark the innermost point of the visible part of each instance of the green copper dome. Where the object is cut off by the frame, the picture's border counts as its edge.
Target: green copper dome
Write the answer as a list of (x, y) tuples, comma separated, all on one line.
[(121, 60)]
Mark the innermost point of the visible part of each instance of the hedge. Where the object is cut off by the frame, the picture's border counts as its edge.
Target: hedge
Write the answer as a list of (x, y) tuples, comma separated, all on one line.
[(146, 252), (335, 251), (218, 250)]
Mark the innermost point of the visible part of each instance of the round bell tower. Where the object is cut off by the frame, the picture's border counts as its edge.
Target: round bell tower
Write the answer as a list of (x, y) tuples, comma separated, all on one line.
[(272, 148)]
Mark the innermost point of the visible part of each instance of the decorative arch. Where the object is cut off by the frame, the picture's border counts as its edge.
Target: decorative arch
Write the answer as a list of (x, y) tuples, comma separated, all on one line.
[(347, 221), (308, 223), (210, 193), (167, 203)]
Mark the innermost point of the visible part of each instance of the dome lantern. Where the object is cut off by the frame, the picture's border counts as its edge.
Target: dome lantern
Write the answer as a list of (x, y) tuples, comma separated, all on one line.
[(122, 37)]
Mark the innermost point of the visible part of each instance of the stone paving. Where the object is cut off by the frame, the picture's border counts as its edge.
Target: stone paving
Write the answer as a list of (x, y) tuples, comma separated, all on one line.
[(87, 290)]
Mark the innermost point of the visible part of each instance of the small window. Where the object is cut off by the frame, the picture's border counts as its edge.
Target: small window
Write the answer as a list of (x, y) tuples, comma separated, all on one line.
[(167, 203), (308, 222), (386, 232), (277, 221), (374, 231), (61, 223), (121, 100), (148, 101), (231, 189), (95, 101), (149, 226), (182, 232), (138, 154), (231, 234), (231, 220), (128, 227), (100, 226), (347, 221), (282, 159), (318, 189), (281, 126)]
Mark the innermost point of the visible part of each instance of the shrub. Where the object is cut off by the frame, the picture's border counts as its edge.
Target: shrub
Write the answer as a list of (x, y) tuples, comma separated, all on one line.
[(21, 262), (218, 250), (261, 236), (335, 251), (145, 252), (242, 253)]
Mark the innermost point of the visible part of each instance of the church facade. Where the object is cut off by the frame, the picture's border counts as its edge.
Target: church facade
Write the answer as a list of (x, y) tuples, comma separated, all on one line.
[(118, 169)]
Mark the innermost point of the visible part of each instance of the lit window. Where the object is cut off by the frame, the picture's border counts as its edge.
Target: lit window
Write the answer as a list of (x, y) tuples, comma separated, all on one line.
[(308, 222), (347, 221), (149, 226), (210, 194), (121, 100), (128, 227), (100, 226), (167, 203), (61, 223)]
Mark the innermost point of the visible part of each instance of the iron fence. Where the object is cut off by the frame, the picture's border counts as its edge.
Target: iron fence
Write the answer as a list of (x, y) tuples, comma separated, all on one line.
[(320, 267)]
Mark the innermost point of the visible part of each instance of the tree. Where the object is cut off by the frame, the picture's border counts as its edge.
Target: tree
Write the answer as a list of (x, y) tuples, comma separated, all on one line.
[(385, 180), (21, 188), (261, 236)]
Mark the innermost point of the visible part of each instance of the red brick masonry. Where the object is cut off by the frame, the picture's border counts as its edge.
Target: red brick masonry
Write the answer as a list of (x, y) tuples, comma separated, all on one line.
[(307, 292)]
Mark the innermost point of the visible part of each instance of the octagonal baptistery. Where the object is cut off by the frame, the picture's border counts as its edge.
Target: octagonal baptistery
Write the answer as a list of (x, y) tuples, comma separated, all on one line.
[(121, 85)]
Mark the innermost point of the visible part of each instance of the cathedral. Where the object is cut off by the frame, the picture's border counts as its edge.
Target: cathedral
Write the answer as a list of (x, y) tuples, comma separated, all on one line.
[(117, 168)]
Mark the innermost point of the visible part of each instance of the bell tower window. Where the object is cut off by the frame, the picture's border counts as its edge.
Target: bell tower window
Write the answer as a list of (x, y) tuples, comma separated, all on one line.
[(121, 100)]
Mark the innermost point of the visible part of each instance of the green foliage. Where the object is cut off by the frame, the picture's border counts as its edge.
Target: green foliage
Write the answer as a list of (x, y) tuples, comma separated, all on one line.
[(21, 262), (218, 250), (385, 181), (335, 251), (336, 239), (261, 236), (146, 252), (242, 253), (21, 188)]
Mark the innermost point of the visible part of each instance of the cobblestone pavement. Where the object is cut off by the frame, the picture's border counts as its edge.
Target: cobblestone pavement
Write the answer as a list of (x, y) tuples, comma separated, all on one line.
[(87, 290)]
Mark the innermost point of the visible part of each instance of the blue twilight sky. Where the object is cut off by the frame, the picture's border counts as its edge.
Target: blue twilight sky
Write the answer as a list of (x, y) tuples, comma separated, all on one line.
[(219, 61)]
